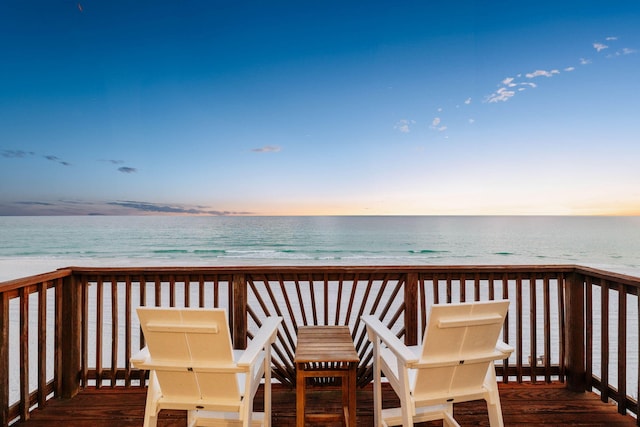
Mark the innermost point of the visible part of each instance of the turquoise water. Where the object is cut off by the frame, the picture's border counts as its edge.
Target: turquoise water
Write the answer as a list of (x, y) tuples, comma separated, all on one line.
[(31, 245)]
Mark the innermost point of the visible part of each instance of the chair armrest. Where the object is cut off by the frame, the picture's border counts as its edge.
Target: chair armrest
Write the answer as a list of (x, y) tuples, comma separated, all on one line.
[(504, 348), (265, 336), (402, 352), (140, 358)]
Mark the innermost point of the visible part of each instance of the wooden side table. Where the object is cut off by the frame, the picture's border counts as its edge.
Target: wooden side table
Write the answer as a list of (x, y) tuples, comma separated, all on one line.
[(323, 352)]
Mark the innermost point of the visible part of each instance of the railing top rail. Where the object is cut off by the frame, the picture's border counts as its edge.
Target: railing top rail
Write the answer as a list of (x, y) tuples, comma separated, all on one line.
[(22, 282), (608, 275), (324, 269), (564, 268)]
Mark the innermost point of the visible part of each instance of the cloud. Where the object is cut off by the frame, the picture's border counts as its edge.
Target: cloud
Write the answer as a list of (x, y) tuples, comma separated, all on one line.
[(501, 95), (56, 159), (176, 209), (570, 69), (540, 73), (35, 203), (267, 149), (611, 38), (584, 61), (600, 46), (16, 154), (126, 169), (404, 125), (435, 122), (509, 82), (467, 101)]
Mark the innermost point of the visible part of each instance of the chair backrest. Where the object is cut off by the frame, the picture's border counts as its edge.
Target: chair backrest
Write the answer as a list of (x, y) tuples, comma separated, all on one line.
[(459, 345), (186, 345)]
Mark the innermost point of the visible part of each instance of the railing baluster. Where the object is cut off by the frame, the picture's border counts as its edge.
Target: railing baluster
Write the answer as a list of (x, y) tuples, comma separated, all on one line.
[(563, 331), (547, 329), (201, 291), (622, 349), (4, 359), (99, 330), (114, 330), (519, 328), (604, 341), (42, 344), (127, 331), (505, 328), (57, 352), (339, 301), (533, 328), (24, 353), (589, 333)]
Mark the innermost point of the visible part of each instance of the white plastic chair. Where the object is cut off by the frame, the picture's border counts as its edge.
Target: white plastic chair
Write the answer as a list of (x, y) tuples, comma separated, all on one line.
[(454, 364), (194, 368)]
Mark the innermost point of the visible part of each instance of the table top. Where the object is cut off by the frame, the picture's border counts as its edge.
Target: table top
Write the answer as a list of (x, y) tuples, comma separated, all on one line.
[(325, 344)]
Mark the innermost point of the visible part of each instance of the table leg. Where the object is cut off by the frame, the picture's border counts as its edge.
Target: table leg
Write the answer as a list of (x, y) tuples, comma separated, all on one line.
[(352, 394), (300, 395)]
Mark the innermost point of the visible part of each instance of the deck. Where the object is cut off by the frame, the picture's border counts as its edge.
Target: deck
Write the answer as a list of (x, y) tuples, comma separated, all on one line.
[(573, 329), (523, 404)]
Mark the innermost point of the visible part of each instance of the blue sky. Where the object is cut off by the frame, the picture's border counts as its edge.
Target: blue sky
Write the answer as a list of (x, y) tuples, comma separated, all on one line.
[(331, 107)]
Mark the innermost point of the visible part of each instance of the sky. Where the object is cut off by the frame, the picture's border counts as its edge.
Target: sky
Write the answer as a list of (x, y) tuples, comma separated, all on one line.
[(219, 107)]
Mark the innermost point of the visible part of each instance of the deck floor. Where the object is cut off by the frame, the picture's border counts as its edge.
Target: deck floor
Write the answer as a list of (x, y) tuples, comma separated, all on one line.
[(522, 405)]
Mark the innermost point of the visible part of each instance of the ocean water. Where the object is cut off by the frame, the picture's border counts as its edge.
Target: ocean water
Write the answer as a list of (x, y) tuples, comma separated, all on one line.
[(32, 245)]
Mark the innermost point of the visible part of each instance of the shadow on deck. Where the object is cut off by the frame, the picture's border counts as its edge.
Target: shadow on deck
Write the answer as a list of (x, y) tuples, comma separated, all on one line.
[(522, 405)]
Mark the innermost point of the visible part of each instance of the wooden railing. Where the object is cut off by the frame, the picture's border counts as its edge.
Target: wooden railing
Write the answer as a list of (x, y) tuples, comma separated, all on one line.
[(77, 327)]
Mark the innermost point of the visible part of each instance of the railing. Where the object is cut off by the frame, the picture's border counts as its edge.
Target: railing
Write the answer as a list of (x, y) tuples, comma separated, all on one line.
[(77, 327)]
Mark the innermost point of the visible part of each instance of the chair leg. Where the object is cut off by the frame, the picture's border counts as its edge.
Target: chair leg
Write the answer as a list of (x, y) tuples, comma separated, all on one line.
[(151, 407), (493, 398), (377, 389)]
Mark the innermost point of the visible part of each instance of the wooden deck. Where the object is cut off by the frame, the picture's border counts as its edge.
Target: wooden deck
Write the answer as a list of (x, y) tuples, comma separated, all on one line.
[(522, 405)]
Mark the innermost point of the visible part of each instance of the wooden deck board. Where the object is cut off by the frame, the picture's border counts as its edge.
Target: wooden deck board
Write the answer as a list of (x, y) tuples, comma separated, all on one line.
[(522, 405)]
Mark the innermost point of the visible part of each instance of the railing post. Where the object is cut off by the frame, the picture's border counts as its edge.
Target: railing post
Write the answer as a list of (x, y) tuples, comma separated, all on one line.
[(70, 336), (411, 309), (575, 340), (239, 310), (4, 359)]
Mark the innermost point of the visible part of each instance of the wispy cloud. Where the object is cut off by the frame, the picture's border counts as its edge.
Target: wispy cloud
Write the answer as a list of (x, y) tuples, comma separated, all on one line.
[(172, 209), (16, 154), (126, 169), (267, 149), (30, 203), (510, 86), (501, 95), (436, 124), (600, 46), (120, 207), (404, 125), (541, 73), (56, 159)]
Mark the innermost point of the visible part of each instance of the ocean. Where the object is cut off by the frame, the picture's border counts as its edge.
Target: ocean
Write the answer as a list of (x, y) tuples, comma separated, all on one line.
[(32, 245)]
